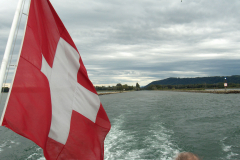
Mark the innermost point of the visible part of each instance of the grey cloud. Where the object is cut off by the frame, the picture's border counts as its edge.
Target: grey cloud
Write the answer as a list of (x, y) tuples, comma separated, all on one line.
[(146, 40)]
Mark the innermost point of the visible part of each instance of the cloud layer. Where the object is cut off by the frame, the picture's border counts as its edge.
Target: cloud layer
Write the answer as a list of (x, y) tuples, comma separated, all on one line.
[(146, 40)]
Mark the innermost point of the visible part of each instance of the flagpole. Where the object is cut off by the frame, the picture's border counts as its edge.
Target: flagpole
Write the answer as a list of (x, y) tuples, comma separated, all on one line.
[(17, 13), (9, 43)]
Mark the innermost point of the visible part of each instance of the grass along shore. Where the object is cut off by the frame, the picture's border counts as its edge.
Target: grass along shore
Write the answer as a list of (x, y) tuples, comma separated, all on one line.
[(216, 91), (111, 92), (212, 91)]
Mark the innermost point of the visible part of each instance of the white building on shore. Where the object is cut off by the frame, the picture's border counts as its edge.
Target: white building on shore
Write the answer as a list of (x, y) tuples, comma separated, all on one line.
[(6, 85)]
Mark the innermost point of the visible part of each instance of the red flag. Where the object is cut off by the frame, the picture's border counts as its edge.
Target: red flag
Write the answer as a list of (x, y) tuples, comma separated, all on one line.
[(52, 101)]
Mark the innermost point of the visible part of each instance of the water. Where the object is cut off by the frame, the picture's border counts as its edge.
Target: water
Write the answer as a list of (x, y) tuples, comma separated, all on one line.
[(156, 125)]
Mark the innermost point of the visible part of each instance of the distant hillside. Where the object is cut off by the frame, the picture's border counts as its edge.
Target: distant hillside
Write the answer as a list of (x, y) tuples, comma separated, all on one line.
[(197, 80)]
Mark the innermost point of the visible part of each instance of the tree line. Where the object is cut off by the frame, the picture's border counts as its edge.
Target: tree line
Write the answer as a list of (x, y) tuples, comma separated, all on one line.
[(191, 86), (118, 87)]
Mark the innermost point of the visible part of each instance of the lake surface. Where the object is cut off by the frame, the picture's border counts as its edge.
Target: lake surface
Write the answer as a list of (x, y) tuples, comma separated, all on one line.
[(156, 125)]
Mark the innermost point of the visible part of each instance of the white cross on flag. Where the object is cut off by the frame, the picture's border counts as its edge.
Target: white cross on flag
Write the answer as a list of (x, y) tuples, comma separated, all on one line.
[(52, 101)]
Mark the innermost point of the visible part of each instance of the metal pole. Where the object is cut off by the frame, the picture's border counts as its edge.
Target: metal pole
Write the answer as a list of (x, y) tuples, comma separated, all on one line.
[(225, 84), (4, 109), (9, 43)]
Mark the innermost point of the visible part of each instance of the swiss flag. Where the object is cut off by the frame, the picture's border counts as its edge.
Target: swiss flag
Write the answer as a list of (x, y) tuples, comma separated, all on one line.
[(52, 101)]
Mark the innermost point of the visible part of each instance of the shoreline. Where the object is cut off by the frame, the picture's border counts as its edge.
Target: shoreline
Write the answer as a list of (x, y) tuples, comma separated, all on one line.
[(106, 93), (191, 91), (210, 91)]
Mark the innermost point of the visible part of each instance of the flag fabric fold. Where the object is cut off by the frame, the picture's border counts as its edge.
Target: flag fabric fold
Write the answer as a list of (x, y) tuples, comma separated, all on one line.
[(52, 101)]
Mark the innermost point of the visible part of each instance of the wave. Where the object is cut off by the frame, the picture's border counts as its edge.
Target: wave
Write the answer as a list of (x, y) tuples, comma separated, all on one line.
[(115, 139), (159, 139), (123, 143), (38, 153), (227, 149), (8, 144)]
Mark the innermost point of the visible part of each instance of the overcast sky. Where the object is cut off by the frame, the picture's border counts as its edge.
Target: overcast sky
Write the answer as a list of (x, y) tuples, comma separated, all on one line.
[(130, 41)]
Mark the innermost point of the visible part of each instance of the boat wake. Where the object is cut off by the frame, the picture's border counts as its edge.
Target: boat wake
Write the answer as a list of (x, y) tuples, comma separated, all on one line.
[(159, 140), (228, 149), (121, 143)]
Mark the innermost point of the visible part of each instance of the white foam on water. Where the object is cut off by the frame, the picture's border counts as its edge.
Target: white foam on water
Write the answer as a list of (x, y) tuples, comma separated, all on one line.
[(118, 143), (159, 140), (227, 149), (231, 155), (31, 156), (3, 145), (135, 154), (123, 144), (36, 154), (8, 144), (115, 136)]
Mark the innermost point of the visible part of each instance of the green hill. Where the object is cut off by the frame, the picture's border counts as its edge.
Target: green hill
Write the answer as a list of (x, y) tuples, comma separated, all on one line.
[(197, 80)]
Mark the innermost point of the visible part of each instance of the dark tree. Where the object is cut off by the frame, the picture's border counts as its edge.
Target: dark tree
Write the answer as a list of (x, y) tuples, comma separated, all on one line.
[(137, 86)]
